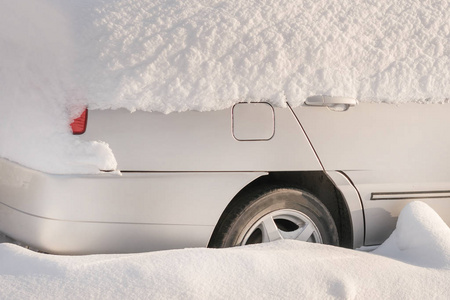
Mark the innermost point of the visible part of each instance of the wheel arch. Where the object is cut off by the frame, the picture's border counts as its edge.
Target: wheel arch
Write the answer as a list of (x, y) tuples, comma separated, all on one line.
[(314, 182)]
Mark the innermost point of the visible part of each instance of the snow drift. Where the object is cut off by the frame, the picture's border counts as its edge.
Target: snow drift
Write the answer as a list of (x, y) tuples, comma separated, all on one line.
[(38, 95), (279, 270), (157, 55), (421, 238)]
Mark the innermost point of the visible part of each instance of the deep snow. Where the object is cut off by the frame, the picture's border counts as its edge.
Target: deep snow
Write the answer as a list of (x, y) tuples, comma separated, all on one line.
[(37, 92), (57, 56), (279, 270), (178, 55)]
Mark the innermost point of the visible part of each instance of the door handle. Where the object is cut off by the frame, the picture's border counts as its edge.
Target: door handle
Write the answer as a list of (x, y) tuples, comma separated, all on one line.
[(334, 103)]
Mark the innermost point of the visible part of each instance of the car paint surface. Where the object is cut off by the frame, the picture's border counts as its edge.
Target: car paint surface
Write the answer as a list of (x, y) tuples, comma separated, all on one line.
[(110, 213), (200, 141), (389, 149)]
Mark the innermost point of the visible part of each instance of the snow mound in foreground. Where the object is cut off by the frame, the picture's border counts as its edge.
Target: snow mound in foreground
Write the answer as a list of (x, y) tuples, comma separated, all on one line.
[(421, 238), (279, 270)]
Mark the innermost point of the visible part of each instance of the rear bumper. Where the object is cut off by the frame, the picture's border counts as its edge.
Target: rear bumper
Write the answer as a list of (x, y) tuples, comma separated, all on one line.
[(110, 213)]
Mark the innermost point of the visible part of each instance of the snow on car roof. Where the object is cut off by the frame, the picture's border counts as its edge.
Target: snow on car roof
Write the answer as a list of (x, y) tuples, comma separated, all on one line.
[(205, 55)]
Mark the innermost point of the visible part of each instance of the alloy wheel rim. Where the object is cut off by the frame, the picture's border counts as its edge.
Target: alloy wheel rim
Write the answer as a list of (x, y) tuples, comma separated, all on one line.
[(281, 225)]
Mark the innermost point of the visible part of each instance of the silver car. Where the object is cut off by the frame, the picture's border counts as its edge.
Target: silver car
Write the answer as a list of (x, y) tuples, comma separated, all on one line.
[(330, 171)]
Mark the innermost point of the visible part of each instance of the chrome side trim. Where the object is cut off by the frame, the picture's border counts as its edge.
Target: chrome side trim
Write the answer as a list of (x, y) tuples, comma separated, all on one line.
[(410, 195)]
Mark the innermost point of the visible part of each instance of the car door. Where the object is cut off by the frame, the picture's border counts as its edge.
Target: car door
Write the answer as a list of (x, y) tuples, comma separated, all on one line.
[(392, 153)]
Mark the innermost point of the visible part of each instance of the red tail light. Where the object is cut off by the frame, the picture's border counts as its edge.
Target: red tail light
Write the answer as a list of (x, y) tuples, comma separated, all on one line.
[(79, 124)]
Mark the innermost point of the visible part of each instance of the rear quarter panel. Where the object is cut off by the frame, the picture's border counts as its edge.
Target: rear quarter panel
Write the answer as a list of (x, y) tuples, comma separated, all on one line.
[(199, 141)]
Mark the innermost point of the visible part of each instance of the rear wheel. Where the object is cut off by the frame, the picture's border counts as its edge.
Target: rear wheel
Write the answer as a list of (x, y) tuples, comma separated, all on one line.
[(273, 214)]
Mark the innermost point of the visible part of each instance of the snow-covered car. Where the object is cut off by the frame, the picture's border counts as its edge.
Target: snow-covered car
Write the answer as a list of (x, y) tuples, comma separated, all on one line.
[(219, 124), (330, 171)]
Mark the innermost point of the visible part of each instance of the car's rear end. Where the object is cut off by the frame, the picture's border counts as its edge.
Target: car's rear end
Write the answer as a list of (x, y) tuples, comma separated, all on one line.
[(176, 175)]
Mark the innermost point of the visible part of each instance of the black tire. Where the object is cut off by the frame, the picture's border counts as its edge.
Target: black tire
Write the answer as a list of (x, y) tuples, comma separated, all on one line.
[(250, 218)]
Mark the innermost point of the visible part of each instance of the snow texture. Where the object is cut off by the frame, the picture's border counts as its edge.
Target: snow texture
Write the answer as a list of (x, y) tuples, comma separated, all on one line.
[(278, 270), (421, 238), (157, 55), (181, 55), (37, 95)]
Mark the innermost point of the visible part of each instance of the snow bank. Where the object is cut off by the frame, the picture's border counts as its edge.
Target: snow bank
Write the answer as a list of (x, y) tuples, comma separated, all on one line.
[(159, 55), (38, 98), (421, 238), (279, 270), (282, 270)]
